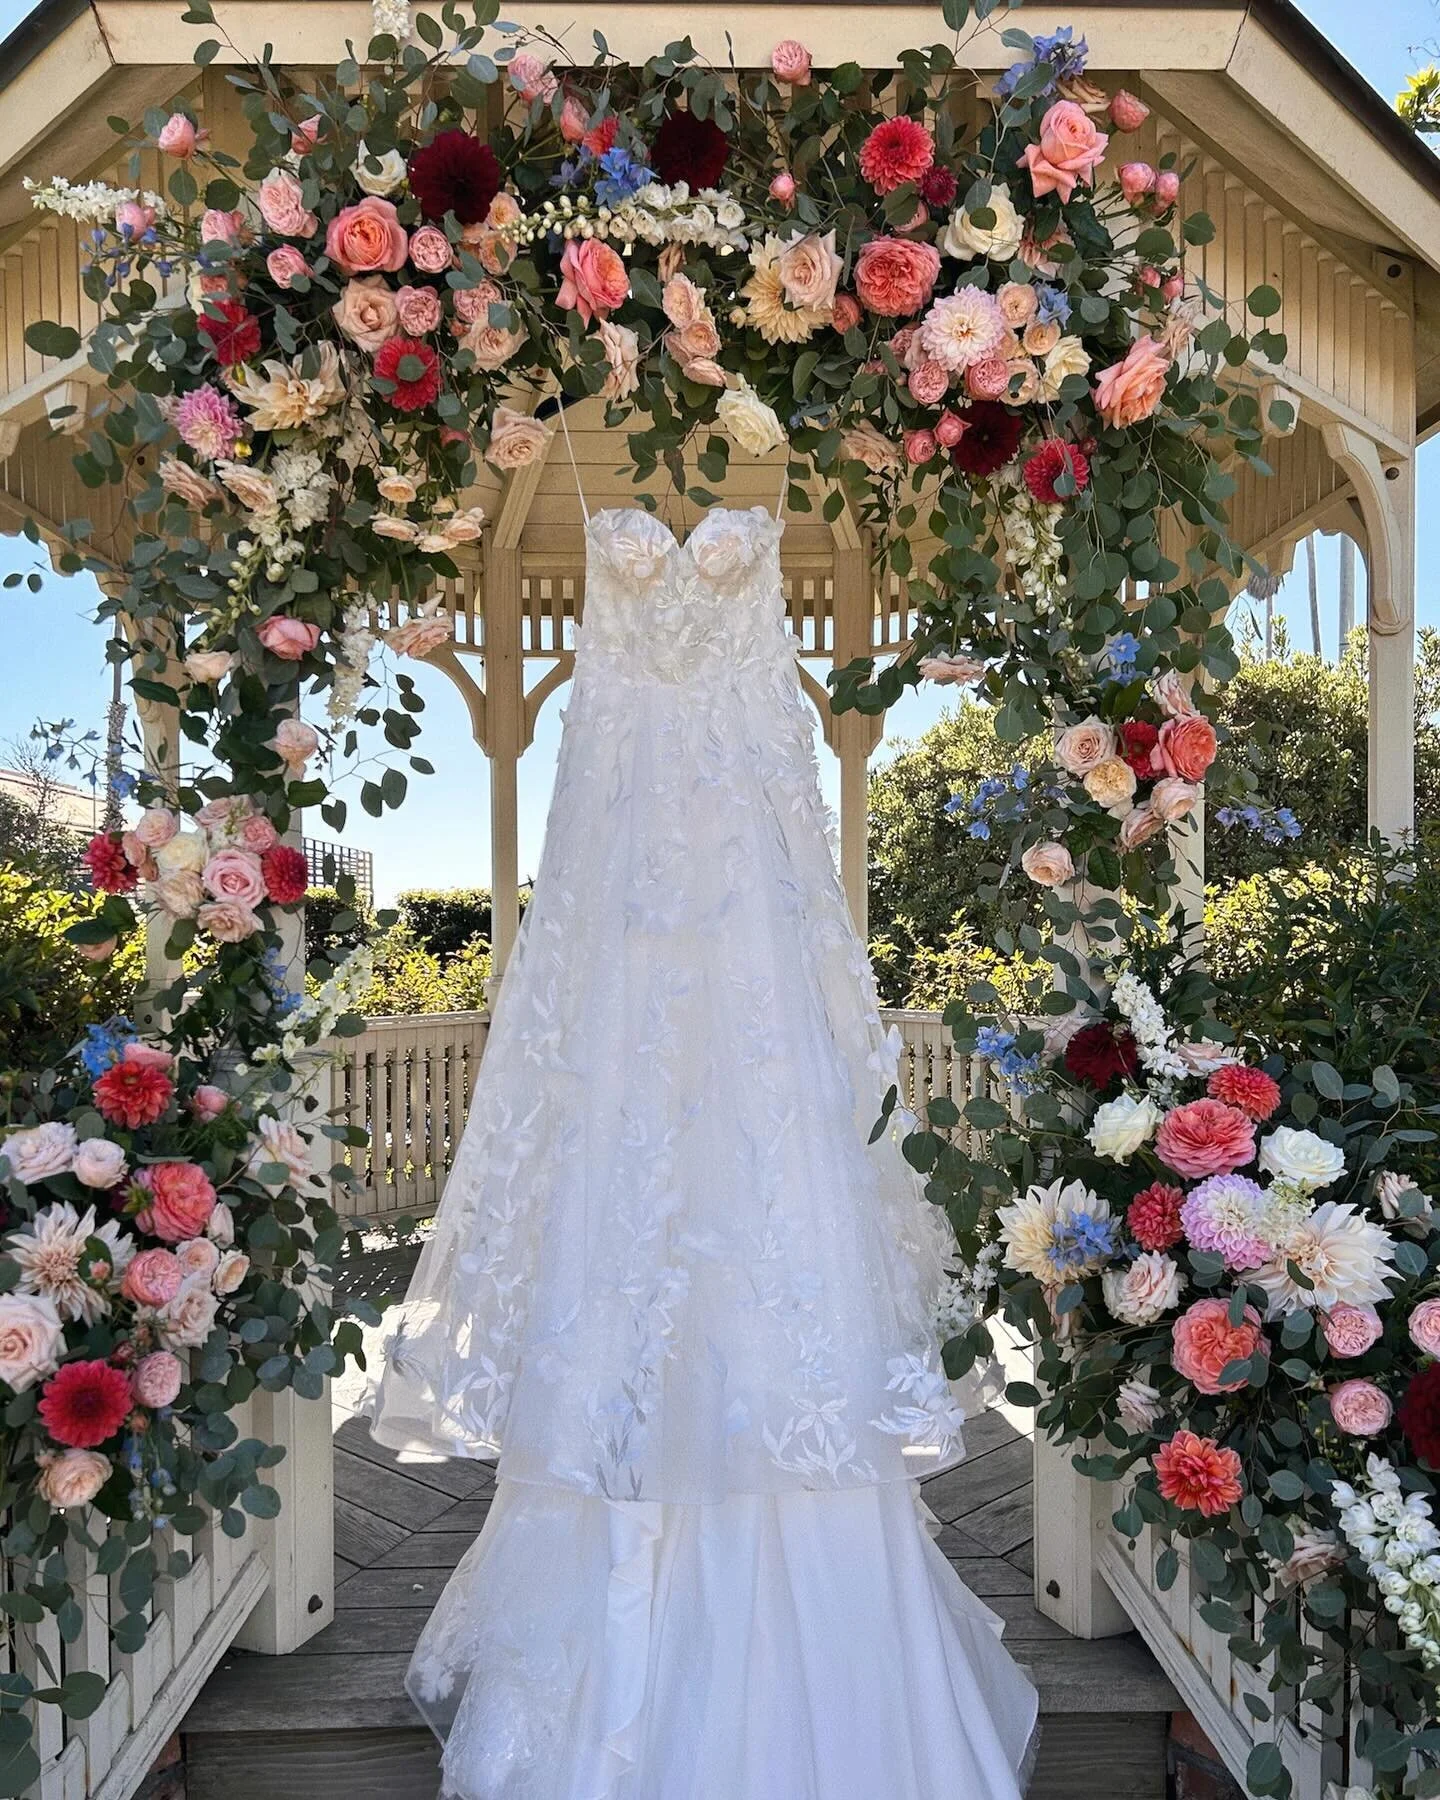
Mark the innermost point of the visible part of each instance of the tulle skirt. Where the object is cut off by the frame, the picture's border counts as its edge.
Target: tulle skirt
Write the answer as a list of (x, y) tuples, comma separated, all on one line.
[(798, 1646)]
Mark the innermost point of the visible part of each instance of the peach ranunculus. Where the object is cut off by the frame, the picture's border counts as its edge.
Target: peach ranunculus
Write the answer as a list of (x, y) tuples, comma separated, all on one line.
[(73, 1477), (1187, 747), (1205, 1137), (894, 277), (419, 310), (1083, 747), (367, 313), (515, 439), (1360, 1409), (1130, 390), (288, 638), (1069, 151), (595, 278), (234, 874), (809, 269), (228, 921), (282, 206), (1203, 1341), (366, 237), (1048, 864)]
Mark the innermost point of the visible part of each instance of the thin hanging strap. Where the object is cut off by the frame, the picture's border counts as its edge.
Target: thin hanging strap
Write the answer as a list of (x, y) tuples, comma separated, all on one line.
[(575, 467), (784, 486)]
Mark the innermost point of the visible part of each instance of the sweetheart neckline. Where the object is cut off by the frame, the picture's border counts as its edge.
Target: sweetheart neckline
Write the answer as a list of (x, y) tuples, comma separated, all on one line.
[(678, 543)]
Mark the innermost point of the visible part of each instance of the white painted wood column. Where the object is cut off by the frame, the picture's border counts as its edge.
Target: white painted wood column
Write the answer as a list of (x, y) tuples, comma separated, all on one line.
[(505, 726), (853, 736)]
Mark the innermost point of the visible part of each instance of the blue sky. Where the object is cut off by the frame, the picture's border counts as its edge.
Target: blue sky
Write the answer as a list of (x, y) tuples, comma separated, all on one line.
[(440, 837)]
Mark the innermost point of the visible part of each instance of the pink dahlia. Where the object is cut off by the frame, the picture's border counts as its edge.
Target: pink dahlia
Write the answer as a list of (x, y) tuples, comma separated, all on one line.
[(84, 1403), (110, 868), (1154, 1216), (963, 328), (1226, 1214), (209, 422), (1043, 468), (1205, 1137), (1197, 1474), (897, 151)]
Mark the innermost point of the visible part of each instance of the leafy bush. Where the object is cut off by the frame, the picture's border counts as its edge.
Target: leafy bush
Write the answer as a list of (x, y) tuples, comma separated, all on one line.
[(323, 906), (444, 920), (49, 993), (409, 979)]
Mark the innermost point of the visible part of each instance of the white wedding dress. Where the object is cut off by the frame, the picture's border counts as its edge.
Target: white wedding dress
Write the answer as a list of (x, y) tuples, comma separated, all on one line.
[(673, 1287)]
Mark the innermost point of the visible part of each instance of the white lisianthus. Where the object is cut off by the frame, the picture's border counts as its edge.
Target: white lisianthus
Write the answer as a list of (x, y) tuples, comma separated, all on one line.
[(1301, 1157), (749, 421), (385, 180), (1122, 1126), (1139, 1294), (964, 239)]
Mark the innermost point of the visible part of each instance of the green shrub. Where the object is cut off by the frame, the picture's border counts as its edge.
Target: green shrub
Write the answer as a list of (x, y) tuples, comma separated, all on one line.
[(49, 993), (409, 979), (445, 920), (322, 907)]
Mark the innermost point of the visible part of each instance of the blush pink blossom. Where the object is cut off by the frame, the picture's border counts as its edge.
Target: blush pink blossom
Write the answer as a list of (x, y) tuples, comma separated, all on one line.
[(1127, 112), (180, 1201), (928, 382), (1424, 1327), (305, 135), (848, 312), (234, 874), (1167, 188), (219, 226), (367, 237), (920, 446), (790, 62), (529, 75), (288, 638), (1350, 1330), (155, 1379), (1137, 181), (133, 220), (595, 279), (419, 310), (152, 1277), (258, 834), (949, 429), (284, 264), (1205, 1137), (430, 250), (228, 921), (179, 136), (281, 200), (1360, 1409), (1069, 151), (208, 1102)]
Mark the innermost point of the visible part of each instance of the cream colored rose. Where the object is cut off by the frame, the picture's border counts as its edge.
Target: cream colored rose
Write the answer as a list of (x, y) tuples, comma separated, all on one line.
[(73, 1478), (208, 665), (1303, 1157), (1123, 1125), (231, 1270), (99, 1163), (367, 313), (963, 239), (1083, 747), (622, 354), (31, 1338), (1048, 865), (383, 181), (516, 439), (1040, 337), (1111, 784), (179, 892), (186, 850), (40, 1151), (186, 1320), (220, 1227), (404, 531), (748, 420), (198, 1257), (1173, 798), (398, 489), (1140, 1294), (1138, 826), (1173, 693), (809, 269), (1068, 357)]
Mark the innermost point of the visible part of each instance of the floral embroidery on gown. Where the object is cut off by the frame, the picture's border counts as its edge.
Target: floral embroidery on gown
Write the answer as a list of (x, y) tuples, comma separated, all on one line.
[(672, 1285)]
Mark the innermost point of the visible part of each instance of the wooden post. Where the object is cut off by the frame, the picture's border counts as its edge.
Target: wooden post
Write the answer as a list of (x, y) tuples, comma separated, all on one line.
[(852, 735), (505, 723)]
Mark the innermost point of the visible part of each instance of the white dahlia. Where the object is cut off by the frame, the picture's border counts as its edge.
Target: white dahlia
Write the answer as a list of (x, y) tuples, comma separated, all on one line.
[(50, 1254), (1345, 1257)]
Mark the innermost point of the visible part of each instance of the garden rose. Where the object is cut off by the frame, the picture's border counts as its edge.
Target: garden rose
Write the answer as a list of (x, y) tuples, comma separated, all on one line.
[(1122, 1126), (1137, 182), (515, 439), (208, 666), (1127, 113), (430, 250), (180, 1199), (1360, 1409), (282, 205), (230, 1272), (1424, 1327), (31, 1339), (295, 743), (1204, 1342), (289, 639), (920, 447), (383, 180), (132, 220), (1172, 691), (809, 269), (928, 382), (1302, 1157), (367, 313), (1069, 150), (187, 1321), (228, 921), (152, 1277), (418, 310), (895, 278), (1314, 1555), (1130, 390), (1138, 826), (748, 420), (596, 280), (208, 1102), (178, 892), (1048, 864), (198, 1258), (1083, 747), (1174, 799), (1138, 1405), (99, 1163), (1111, 784), (1196, 1474), (1351, 1330), (367, 236), (963, 239), (790, 62), (179, 136), (219, 226), (1205, 1137), (1187, 747), (622, 354), (234, 874), (73, 1478), (782, 188), (221, 1229), (1139, 1294), (1167, 188), (862, 443), (40, 1151), (155, 1379), (281, 1144)]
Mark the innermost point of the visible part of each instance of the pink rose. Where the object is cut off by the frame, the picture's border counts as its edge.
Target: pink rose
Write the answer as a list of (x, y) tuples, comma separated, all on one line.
[(208, 1102), (156, 826), (234, 874), (895, 278), (1187, 747), (1350, 1330), (198, 1258), (1205, 1137), (179, 136), (181, 1200), (295, 743), (133, 220), (430, 250), (1083, 747), (848, 312), (219, 227), (515, 439), (155, 1379), (418, 309), (367, 313), (148, 1056), (1173, 798), (1127, 113), (257, 834), (289, 639), (920, 446), (1173, 694), (284, 264), (227, 921), (595, 280), (782, 188), (790, 61), (152, 1277), (367, 236), (949, 429), (1048, 864), (928, 382), (1129, 391), (1138, 826), (574, 119), (1359, 1408), (186, 1322), (529, 75), (1068, 152), (305, 135), (1137, 181), (1203, 1341), (281, 200), (1424, 1327), (1167, 188)]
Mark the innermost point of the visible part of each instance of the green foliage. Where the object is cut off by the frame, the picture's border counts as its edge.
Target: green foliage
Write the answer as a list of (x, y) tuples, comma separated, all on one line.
[(444, 920), (323, 906), (410, 979), (49, 993)]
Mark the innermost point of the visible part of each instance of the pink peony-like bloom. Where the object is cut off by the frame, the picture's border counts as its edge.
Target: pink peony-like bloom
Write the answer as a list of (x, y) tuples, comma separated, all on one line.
[(897, 151), (284, 265), (847, 313), (181, 1199), (289, 639), (1197, 1474), (73, 1478), (1069, 151), (179, 137), (1130, 390), (895, 278), (1205, 1137), (430, 250), (595, 278), (790, 62), (1226, 1214), (1127, 113), (208, 1102), (209, 422), (988, 379), (281, 200), (234, 874), (306, 135), (1048, 864), (1187, 747), (366, 312), (949, 429), (1360, 1409), (1137, 182), (782, 187), (530, 76), (1204, 1342), (1424, 1327), (219, 226), (963, 328), (132, 220), (928, 382), (366, 237), (227, 921), (419, 310), (155, 1379), (258, 834), (152, 1277), (920, 447), (1350, 1330), (1167, 188)]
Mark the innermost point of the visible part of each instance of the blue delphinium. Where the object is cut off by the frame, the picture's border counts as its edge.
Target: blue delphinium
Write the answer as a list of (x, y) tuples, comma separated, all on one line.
[(282, 995), (1060, 54), (624, 175), (998, 1046), (1119, 656), (998, 799), (1273, 824), (1052, 304), (102, 1045), (1081, 1239)]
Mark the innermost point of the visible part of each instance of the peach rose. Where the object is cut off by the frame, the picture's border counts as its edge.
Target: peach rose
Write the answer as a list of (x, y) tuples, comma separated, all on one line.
[(180, 1199), (152, 1277), (1424, 1327), (156, 826), (1017, 301), (1351, 1330), (595, 279), (896, 278), (1048, 864), (682, 302), (227, 921), (295, 743), (281, 200), (1204, 1341), (197, 1257), (1129, 391), (1069, 150), (208, 665), (1111, 784), (288, 638), (220, 227), (622, 355), (367, 313), (790, 62), (1138, 826), (863, 443), (430, 250), (515, 439), (1359, 1408), (178, 137), (155, 1379), (1187, 747), (1040, 340), (419, 310), (234, 874), (1083, 747), (809, 269), (73, 1478), (1173, 798), (31, 1339), (367, 236), (257, 834), (178, 892), (230, 1271)]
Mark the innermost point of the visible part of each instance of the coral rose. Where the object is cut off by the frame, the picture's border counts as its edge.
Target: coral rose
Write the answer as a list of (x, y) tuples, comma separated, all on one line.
[(1361, 1409), (1350, 1330), (367, 313), (180, 1200), (790, 62), (366, 237), (178, 137), (1130, 390), (595, 279), (1205, 1137), (1068, 152), (1187, 747), (1204, 1342), (1196, 1474), (895, 278), (152, 1277), (288, 638), (155, 1379)]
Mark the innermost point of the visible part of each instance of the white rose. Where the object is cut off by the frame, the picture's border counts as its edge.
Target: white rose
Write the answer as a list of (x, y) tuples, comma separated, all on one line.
[(186, 1321), (1302, 1157), (729, 215), (1121, 1126), (231, 1270), (185, 853), (1068, 357), (99, 1163), (1140, 1294), (749, 421), (221, 1226), (965, 240), (40, 1151), (390, 175), (198, 1257), (31, 1337)]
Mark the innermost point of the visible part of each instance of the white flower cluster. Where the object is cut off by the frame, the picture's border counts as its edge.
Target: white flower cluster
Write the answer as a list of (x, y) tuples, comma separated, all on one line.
[(303, 482), (1142, 1012), (352, 661), (90, 202), (963, 1295), (1400, 1542), (317, 1014), (1032, 544), (657, 214)]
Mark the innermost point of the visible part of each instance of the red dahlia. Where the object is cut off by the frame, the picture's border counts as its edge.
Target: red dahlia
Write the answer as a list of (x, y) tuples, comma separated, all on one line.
[(1101, 1054), (1419, 1415), (1044, 467), (234, 335), (1154, 1216), (132, 1094), (1138, 738), (992, 436), (414, 368), (286, 874), (84, 1403), (690, 150), (1251, 1090), (456, 173), (895, 152), (939, 187), (111, 870)]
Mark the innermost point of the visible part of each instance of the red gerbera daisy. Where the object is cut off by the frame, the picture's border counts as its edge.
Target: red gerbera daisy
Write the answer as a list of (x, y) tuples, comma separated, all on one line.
[(1154, 1216), (1138, 738), (897, 151), (1045, 466), (1251, 1090), (234, 335), (414, 368), (111, 870), (1419, 1415), (992, 436), (286, 874), (938, 187), (133, 1094), (690, 150), (84, 1403), (456, 173)]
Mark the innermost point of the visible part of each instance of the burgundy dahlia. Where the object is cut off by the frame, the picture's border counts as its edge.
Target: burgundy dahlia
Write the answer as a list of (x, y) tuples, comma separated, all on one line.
[(992, 436), (1099, 1055), (456, 173), (690, 150), (1419, 1415), (938, 187)]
